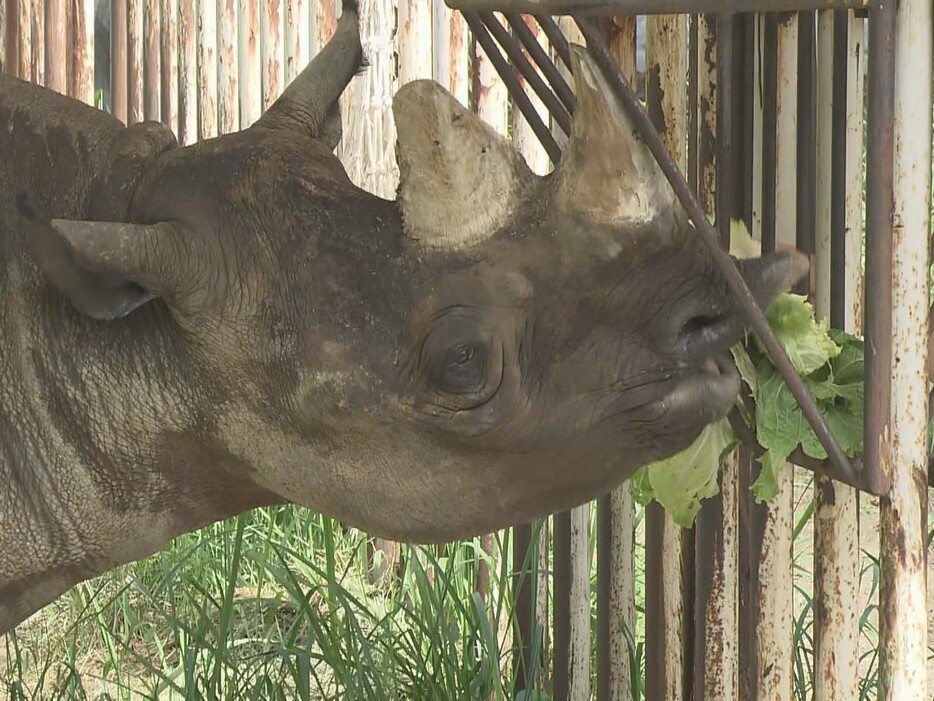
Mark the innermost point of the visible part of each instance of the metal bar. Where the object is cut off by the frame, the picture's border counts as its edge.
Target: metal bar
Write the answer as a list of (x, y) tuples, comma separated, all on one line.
[(769, 90), (656, 671), (562, 603), (56, 46), (450, 53), (774, 614), (525, 571), (527, 70), (585, 8), (807, 156), (271, 43), (38, 47), (228, 73), (207, 68), (666, 100), (170, 56), (903, 639), (135, 51), (527, 38), (118, 59), (879, 203), (518, 94), (836, 542), (747, 303), (248, 57), (25, 39), (557, 39), (152, 61), (187, 72)]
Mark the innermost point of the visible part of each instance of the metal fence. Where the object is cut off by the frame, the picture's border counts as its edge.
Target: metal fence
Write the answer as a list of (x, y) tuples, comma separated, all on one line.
[(766, 110)]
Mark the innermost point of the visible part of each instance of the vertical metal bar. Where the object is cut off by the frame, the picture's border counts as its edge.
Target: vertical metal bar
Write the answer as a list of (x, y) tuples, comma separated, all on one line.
[(450, 50), (207, 68), (836, 576), (228, 72), (10, 37), (152, 63), (879, 193), (271, 51), (56, 46), (615, 511), (118, 59), (562, 607), (855, 181), (25, 40), (903, 629), (724, 162), (170, 47), (807, 157), (37, 59), (656, 669), (769, 93), (188, 72), (81, 29), (774, 612), (248, 60), (296, 38), (135, 51), (415, 40), (666, 99)]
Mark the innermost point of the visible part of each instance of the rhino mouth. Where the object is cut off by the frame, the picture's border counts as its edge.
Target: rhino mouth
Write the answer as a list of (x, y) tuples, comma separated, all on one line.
[(704, 392)]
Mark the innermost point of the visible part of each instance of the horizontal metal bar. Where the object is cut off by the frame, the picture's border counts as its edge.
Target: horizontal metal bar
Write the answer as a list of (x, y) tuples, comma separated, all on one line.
[(754, 315), (650, 7)]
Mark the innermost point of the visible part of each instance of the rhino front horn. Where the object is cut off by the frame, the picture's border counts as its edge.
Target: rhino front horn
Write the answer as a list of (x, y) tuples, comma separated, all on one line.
[(607, 174)]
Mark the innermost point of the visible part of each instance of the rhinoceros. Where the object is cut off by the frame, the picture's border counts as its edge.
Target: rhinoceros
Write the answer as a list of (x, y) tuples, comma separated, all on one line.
[(188, 333)]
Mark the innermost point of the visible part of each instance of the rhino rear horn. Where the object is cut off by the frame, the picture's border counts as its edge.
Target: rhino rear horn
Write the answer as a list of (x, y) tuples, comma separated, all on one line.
[(607, 175), (309, 104), (105, 269), (459, 180)]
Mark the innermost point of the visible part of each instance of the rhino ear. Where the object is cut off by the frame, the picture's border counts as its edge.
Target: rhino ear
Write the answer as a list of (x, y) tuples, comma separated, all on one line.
[(105, 269), (459, 181), (607, 175)]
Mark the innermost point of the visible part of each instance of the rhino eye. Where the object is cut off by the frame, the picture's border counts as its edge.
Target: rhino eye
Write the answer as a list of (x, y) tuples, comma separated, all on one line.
[(461, 369)]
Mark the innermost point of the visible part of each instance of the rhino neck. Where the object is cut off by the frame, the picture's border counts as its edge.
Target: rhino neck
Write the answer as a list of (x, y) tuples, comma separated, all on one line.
[(105, 452)]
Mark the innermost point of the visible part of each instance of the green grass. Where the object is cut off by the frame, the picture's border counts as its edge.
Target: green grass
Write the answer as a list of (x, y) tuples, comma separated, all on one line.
[(278, 604)]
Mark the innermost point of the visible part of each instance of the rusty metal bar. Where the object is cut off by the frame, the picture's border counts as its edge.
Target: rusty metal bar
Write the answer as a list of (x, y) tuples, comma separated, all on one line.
[(586, 8), (187, 72), (527, 70), (248, 61), (556, 38), (228, 71), (81, 50), (170, 54), (415, 45), (754, 314), (118, 59), (879, 203), (207, 68), (24, 40), (38, 47), (526, 37), (271, 51), (56, 46), (807, 157), (296, 38), (134, 59), (519, 96), (450, 50), (152, 63), (903, 638), (562, 603)]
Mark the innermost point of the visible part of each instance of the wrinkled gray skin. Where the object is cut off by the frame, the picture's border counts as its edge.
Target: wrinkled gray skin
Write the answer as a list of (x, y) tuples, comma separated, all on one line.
[(189, 333)]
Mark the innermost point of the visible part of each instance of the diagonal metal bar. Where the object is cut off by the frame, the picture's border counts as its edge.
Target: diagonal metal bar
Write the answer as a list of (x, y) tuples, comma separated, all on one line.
[(522, 100), (558, 41), (545, 65), (532, 77), (630, 102)]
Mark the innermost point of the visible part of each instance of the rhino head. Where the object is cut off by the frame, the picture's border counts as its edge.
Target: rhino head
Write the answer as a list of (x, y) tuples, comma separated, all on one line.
[(489, 347)]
